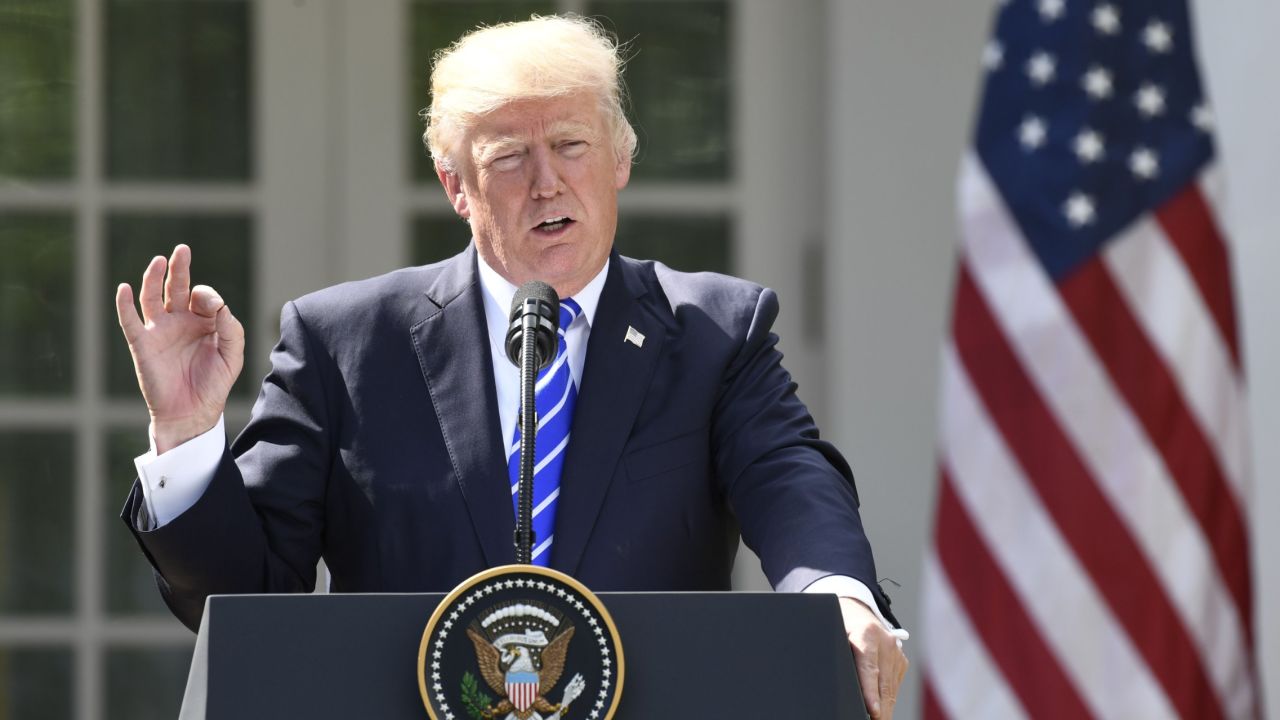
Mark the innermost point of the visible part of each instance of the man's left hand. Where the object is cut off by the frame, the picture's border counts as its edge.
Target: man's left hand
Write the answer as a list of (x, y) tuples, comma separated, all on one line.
[(879, 660)]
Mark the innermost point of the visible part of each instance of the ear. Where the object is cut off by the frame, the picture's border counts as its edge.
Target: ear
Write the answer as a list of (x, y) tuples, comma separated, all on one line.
[(622, 172), (454, 191)]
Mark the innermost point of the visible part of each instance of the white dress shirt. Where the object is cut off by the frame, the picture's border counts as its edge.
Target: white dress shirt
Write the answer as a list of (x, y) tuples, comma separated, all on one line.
[(498, 294), (172, 482)]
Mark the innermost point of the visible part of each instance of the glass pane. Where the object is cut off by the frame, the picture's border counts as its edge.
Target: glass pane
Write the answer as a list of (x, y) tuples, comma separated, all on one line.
[(178, 100), (35, 522), (436, 237), (678, 75), (221, 247), (35, 683), (684, 243), (146, 683), (131, 588), (37, 294), (434, 25), (37, 93)]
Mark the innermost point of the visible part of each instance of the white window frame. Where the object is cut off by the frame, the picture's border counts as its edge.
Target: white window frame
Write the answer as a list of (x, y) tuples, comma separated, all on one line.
[(332, 199)]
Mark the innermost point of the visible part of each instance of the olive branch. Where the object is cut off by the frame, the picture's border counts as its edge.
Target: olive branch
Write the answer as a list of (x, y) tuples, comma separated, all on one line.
[(474, 701)]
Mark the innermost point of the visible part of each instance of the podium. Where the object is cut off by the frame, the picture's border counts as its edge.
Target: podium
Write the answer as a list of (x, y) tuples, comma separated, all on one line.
[(688, 655)]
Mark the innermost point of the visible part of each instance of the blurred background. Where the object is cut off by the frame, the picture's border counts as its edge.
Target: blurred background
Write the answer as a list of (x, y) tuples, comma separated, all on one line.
[(809, 145)]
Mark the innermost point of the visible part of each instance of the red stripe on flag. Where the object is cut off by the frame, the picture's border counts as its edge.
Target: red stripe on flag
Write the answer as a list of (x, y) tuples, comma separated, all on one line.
[(932, 708), (1188, 222), (1082, 513), (1150, 390), (1010, 635)]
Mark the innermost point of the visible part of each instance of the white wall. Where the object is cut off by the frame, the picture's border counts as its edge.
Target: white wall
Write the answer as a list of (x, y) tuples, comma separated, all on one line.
[(1237, 46), (903, 83)]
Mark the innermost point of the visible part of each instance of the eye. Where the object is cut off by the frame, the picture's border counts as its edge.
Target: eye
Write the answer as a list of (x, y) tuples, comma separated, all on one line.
[(573, 148), (510, 161)]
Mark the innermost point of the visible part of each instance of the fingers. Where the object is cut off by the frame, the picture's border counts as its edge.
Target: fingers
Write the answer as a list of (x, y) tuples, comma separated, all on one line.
[(869, 679), (130, 323), (151, 292), (177, 286), (881, 670), (893, 668), (230, 339), (205, 301)]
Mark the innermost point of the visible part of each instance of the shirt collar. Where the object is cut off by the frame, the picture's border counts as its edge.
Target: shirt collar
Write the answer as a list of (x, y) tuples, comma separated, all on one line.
[(502, 292)]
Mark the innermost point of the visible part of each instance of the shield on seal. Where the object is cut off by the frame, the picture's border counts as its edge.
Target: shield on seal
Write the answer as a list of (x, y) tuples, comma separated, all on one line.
[(522, 689)]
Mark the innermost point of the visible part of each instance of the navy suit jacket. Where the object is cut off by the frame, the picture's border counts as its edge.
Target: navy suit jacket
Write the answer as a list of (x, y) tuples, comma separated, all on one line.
[(375, 443)]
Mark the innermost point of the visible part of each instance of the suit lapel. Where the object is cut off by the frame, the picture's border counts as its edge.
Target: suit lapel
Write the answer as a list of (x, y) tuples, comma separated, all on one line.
[(452, 344), (616, 374)]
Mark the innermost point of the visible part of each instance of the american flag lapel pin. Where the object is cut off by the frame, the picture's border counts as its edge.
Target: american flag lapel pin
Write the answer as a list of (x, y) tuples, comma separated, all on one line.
[(634, 336)]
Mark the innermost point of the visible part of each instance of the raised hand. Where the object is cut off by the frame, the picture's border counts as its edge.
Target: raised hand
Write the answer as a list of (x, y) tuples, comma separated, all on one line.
[(187, 348)]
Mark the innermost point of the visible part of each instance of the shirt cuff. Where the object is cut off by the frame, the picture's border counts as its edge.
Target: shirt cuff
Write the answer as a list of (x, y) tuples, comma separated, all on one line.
[(173, 481), (847, 587)]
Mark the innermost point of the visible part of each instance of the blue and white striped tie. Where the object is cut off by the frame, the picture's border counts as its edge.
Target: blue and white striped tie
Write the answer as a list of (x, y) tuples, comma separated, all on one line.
[(555, 398)]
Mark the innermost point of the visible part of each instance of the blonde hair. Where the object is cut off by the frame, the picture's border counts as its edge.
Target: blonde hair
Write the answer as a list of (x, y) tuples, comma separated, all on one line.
[(542, 57)]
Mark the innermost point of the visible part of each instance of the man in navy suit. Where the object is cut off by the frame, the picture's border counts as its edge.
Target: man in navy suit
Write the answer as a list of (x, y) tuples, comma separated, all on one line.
[(379, 439)]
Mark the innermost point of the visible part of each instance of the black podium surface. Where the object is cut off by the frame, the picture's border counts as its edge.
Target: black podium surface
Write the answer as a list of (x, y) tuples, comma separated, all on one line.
[(688, 655)]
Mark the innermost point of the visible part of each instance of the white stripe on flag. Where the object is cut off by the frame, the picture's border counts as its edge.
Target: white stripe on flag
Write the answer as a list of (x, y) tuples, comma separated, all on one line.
[(1057, 593), (1167, 303), (1110, 441), (966, 681)]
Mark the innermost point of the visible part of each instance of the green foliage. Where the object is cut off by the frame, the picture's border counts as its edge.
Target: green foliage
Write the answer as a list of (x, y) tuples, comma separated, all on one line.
[(37, 89), (178, 100), (37, 298), (474, 701)]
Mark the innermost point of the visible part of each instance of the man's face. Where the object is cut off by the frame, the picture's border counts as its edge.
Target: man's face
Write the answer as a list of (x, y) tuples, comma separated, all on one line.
[(538, 181)]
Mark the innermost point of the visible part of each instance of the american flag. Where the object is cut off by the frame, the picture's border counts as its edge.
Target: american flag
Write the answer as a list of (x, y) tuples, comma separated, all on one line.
[(1091, 553)]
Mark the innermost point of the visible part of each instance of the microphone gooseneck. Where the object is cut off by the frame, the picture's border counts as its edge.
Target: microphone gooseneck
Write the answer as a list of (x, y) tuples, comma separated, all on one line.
[(532, 338)]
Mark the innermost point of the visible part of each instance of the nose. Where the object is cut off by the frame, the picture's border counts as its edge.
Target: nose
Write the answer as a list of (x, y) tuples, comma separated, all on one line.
[(546, 175)]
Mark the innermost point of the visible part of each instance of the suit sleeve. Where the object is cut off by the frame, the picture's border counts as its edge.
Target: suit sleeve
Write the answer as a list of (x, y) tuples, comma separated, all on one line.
[(792, 492), (258, 526)]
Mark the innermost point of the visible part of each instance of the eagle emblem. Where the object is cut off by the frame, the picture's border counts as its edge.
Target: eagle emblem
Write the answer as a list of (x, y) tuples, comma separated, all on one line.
[(521, 649), (520, 642)]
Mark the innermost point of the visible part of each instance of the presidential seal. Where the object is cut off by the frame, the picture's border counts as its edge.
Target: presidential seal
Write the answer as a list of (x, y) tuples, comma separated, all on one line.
[(520, 642)]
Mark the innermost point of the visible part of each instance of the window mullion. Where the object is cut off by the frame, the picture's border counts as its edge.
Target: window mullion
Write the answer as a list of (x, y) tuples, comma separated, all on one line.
[(90, 359)]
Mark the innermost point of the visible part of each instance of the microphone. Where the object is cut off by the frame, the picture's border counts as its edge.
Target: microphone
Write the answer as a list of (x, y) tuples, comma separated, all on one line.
[(535, 307), (532, 340)]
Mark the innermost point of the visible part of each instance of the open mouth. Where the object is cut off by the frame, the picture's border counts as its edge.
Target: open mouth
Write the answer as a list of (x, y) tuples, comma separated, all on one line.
[(553, 225)]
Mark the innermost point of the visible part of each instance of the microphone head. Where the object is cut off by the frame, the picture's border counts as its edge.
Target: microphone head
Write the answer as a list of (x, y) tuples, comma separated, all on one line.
[(537, 307)]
